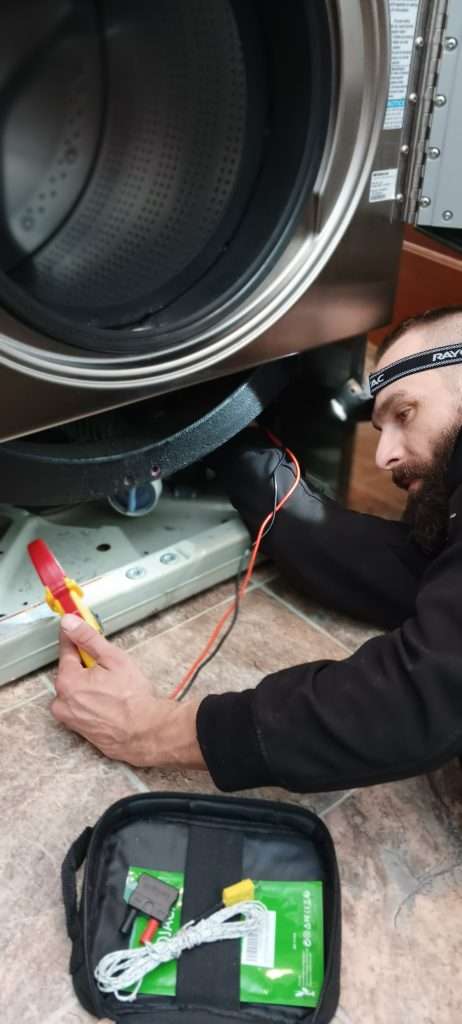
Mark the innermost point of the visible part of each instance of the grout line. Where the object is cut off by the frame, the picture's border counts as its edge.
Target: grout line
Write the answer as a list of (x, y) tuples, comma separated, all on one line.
[(135, 780), (336, 803), (192, 618), (306, 618), (262, 583), (169, 629), (26, 700)]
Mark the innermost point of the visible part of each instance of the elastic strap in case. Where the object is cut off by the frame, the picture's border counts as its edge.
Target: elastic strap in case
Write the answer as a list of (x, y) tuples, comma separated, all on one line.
[(214, 860)]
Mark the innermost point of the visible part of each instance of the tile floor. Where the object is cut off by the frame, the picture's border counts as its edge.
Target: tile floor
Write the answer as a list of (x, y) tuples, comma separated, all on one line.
[(399, 846)]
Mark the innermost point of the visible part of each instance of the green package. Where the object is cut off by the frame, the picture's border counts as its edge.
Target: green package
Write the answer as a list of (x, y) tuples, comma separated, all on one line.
[(282, 965)]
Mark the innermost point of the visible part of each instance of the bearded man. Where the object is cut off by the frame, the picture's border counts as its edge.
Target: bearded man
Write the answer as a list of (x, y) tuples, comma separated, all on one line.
[(394, 708)]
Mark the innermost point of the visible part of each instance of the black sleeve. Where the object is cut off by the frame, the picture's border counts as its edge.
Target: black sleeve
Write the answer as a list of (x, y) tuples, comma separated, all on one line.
[(391, 710), (359, 564)]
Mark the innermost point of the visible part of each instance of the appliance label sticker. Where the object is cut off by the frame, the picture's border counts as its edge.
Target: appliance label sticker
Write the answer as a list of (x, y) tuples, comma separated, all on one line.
[(383, 185), (403, 16)]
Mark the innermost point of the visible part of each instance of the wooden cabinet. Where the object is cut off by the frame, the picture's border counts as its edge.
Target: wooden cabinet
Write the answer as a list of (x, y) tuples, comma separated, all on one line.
[(430, 275)]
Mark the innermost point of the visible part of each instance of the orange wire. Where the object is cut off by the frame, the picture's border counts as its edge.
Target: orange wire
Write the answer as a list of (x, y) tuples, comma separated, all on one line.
[(243, 587)]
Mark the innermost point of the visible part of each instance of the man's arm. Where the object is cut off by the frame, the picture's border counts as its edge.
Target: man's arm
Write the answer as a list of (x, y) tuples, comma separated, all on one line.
[(391, 710), (359, 564)]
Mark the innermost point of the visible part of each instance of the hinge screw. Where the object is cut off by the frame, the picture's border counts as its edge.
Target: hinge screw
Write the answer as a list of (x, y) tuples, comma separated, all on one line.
[(167, 557), (440, 100), (413, 97), (450, 43), (136, 573), (434, 152), (424, 201), (404, 150), (447, 214), (420, 42), (399, 197)]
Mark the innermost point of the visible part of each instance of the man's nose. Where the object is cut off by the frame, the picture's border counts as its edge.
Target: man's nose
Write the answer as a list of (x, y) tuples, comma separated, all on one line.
[(389, 452)]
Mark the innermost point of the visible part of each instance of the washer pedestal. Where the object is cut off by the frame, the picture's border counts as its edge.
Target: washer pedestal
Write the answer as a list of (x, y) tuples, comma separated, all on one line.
[(130, 568)]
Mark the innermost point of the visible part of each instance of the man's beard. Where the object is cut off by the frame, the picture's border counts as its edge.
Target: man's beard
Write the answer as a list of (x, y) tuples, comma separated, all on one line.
[(427, 510)]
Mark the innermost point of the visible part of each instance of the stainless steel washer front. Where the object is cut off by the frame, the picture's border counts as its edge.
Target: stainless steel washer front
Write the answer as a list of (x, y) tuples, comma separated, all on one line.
[(219, 207)]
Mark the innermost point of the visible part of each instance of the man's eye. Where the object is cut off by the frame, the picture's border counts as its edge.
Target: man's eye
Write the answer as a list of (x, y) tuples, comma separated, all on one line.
[(404, 414)]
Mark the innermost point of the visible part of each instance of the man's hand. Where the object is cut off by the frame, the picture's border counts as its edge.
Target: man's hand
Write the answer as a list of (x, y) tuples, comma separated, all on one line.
[(113, 706)]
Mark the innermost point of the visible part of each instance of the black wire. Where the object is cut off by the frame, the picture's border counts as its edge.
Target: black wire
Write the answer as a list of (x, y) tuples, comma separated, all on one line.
[(237, 584), (273, 517), (275, 493)]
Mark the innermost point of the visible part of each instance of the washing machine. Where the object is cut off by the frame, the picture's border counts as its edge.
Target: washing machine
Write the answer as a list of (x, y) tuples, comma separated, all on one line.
[(196, 195)]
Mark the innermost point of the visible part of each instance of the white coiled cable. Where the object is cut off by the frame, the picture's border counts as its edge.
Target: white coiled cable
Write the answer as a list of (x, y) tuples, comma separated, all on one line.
[(118, 971)]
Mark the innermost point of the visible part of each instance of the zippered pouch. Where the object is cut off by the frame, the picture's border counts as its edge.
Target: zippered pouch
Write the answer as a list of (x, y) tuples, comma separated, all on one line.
[(288, 970)]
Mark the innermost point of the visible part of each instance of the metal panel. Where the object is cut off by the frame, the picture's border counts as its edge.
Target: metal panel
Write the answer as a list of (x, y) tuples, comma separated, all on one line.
[(440, 200), (419, 106), (335, 280), (359, 45), (141, 568)]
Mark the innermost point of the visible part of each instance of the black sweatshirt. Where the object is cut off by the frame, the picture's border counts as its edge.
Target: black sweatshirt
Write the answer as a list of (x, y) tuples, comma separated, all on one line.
[(391, 710)]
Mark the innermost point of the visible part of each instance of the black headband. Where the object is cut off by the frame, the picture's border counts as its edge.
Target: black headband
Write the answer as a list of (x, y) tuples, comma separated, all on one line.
[(431, 359)]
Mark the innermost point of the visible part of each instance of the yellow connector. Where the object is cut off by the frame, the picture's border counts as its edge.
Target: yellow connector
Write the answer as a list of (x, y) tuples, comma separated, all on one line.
[(244, 890)]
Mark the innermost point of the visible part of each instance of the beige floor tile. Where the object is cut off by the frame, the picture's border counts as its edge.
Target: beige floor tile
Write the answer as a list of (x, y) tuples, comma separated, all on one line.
[(52, 784), (40, 760), (171, 617), (184, 610), (22, 690), (346, 631), (266, 637), (40, 992), (401, 866)]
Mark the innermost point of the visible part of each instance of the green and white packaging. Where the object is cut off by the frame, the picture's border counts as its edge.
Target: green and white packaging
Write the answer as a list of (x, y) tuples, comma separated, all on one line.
[(282, 964)]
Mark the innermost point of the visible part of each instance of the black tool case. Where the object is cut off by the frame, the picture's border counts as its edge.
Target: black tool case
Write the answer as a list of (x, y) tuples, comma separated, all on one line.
[(214, 841)]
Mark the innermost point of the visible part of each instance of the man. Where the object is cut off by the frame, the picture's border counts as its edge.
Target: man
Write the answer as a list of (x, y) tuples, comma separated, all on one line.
[(394, 708)]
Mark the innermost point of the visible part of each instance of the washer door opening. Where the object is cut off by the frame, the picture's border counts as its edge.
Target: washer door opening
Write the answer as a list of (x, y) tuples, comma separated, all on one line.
[(154, 157)]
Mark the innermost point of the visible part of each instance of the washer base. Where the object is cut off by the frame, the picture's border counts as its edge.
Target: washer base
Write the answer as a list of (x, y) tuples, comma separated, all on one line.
[(130, 568)]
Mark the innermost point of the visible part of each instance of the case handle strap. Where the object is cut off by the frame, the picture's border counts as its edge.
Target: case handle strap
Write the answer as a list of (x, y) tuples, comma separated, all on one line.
[(71, 864)]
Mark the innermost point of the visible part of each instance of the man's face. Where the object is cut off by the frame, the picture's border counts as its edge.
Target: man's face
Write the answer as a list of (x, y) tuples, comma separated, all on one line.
[(419, 418)]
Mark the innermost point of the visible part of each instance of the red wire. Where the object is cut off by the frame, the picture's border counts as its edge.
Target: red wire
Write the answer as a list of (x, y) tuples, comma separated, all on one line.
[(243, 587)]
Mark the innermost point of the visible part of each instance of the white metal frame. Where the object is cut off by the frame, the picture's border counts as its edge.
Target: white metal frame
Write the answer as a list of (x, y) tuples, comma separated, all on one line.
[(190, 544)]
